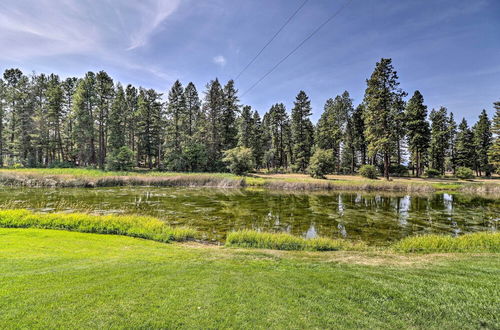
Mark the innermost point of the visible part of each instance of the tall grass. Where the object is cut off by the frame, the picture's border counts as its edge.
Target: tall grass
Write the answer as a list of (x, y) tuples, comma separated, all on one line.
[(281, 241), (134, 226), (475, 242)]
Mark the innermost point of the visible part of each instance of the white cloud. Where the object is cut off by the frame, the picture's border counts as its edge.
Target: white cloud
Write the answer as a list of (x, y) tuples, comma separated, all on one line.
[(219, 60), (53, 27)]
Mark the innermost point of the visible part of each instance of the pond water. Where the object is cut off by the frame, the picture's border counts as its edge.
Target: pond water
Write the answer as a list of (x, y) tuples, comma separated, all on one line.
[(375, 218)]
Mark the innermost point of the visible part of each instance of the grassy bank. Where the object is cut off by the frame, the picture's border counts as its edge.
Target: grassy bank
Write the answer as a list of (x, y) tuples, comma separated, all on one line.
[(295, 182), (277, 241), (56, 279), (134, 226), (154, 229)]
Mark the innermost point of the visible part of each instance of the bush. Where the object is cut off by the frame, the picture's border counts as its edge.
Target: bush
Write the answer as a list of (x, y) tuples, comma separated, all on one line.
[(464, 173), (134, 226), (121, 160), (432, 173), (398, 170), (64, 164), (282, 241), (321, 163), (368, 171), (476, 242), (239, 160)]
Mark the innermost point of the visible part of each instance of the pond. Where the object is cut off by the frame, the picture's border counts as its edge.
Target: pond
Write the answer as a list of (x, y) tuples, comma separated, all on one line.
[(376, 218)]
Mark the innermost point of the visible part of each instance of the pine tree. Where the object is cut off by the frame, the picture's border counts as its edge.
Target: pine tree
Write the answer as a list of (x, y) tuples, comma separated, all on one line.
[(494, 152), (257, 139), (228, 116), (68, 87), (359, 140), (482, 143), (245, 127), (131, 118), (465, 146), (55, 117), (176, 128), (439, 139), (213, 107), (382, 105), (452, 136), (84, 103), (40, 136), (150, 127), (331, 127), (418, 130), (23, 142), (116, 122), (104, 95), (278, 126), (3, 92), (193, 109), (302, 132), (12, 100)]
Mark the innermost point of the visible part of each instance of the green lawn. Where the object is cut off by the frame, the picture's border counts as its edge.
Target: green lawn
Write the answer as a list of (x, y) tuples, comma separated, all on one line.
[(51, 279)]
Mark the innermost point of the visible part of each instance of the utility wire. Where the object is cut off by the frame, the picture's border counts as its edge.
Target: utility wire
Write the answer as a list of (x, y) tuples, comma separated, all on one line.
[(300, 45), (271, 40)]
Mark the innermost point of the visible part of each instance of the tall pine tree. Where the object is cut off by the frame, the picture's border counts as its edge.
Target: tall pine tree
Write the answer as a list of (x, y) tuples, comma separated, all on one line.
[(302, 132), (418, 131)]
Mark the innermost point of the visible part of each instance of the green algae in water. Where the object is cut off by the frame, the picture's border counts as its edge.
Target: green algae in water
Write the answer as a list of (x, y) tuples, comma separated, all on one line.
[(375, 218)]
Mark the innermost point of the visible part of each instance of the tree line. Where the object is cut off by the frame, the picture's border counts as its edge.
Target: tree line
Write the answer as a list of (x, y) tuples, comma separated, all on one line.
[(46, 121)]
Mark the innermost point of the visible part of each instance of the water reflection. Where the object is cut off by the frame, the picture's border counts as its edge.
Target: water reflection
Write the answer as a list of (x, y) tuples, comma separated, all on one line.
[(375, 218)]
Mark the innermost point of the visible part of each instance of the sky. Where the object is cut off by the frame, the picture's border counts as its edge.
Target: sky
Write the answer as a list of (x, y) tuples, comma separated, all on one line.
[(447, 49)]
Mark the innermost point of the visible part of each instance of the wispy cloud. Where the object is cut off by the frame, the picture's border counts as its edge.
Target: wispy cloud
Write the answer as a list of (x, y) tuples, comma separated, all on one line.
[(53, 27), (219, 60)]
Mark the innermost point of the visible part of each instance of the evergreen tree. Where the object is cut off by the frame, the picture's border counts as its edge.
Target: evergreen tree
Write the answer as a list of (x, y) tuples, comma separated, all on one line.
[(150, 127), (193, 109), (116, 123), (104, 95), (228, 116), (3, 92), (331, 127), (257, 140), (482, 143), (131, 118), (68, 87), (359, 140), (245, 127), (176, 128), (302, 132), (278, 125), (84, 103), (418, 131), (213, 107), (13, 98), (39, 136), (452, 136), (382, 107), (55, 116), (465, 146), (439, 139), (494, 152)]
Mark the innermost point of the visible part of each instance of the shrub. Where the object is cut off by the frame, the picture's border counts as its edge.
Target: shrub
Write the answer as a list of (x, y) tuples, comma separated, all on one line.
[(368, 171), (464, 173), (398, 170), (321, 163), (135, 226), (282, 241), (121, 160), (432, 173), (476, 242), (239, 160)]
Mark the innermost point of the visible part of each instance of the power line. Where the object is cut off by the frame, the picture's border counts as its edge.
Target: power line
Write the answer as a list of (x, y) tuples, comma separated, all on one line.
[(300, 45), (271, 40)]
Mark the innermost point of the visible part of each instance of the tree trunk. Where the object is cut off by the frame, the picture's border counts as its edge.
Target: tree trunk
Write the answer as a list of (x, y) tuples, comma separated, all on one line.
[(386, 165)]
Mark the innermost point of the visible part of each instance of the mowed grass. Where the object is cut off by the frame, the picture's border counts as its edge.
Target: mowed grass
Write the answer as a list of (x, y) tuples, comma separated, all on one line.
[(57, 279)]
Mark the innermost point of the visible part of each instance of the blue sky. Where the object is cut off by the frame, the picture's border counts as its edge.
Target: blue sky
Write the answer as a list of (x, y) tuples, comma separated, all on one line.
[(448, 49)]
